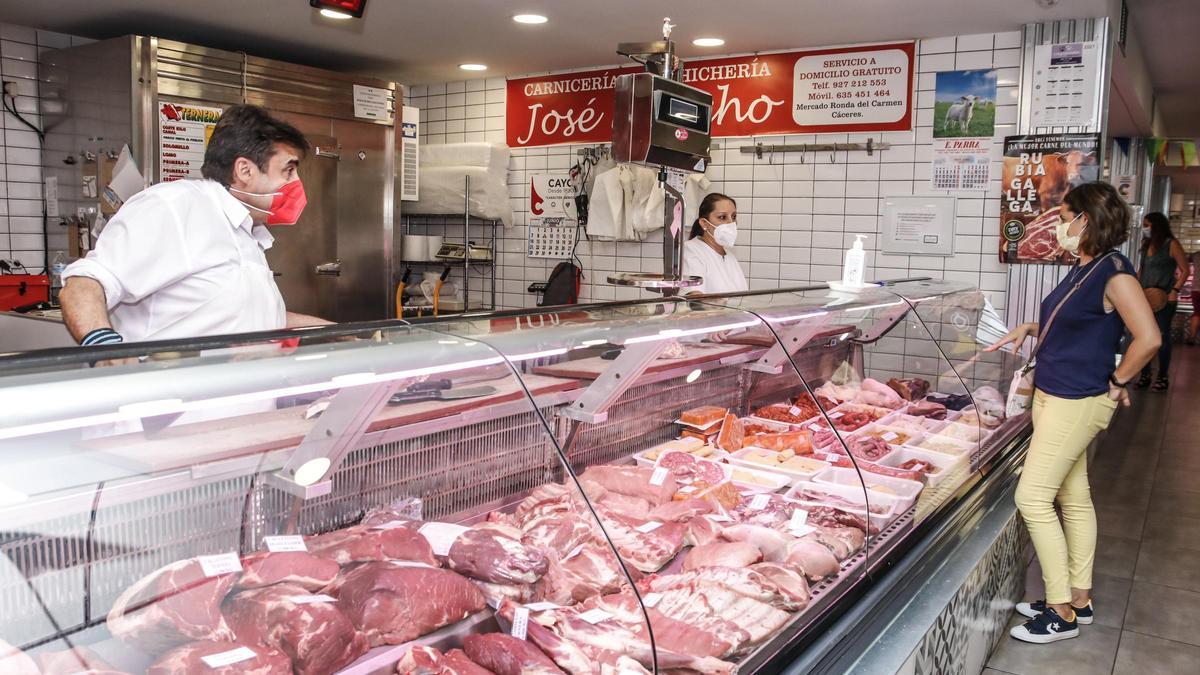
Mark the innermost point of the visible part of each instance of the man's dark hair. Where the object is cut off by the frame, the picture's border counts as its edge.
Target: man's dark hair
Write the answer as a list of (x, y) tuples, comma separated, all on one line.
[(247, 131), (1107, 216)]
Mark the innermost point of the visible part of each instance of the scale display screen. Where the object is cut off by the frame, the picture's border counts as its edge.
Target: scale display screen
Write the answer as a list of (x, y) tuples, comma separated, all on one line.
[(683, 113)]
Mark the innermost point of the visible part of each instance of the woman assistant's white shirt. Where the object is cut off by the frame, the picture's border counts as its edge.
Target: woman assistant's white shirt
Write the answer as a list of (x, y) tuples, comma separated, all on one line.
[(721, 273)]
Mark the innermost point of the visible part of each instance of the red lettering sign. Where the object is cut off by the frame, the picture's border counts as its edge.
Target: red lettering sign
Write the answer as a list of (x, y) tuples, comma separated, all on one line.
[(845, 89)]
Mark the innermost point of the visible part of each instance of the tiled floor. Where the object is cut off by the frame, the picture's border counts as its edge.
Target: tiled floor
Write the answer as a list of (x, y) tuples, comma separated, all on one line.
[(1146, 486)]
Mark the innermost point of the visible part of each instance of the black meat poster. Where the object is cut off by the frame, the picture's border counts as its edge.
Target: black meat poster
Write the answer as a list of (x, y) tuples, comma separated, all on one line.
[(1038, 172)]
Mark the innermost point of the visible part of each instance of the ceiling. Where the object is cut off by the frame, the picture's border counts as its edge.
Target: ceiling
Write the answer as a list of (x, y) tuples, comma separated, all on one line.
[(1169, 33), (415, 41)]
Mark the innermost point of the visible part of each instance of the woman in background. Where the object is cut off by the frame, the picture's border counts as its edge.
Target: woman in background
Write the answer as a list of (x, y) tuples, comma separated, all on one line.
[(1164, 267), (708, 252)]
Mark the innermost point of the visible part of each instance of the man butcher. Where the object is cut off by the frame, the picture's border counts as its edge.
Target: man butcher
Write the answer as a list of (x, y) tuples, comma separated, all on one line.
[(188, 258)]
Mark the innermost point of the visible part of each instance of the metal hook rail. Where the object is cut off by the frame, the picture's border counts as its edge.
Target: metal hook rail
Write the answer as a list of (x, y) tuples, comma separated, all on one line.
[(870, 146)]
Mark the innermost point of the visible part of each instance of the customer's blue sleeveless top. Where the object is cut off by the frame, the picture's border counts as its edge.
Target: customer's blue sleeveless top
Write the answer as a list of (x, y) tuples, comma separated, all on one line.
[(1079, 352)]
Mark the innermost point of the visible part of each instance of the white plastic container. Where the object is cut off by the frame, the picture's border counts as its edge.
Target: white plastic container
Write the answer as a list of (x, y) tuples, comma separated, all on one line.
[(897, 437), (796, 476), (903, 492), (771, 481), (855, 268), (885, 505), (946, 446), (945, 464)]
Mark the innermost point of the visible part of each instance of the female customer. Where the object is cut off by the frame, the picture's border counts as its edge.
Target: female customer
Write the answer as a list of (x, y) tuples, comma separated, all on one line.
[(1164, 268), (1077, 389), (707, 252)]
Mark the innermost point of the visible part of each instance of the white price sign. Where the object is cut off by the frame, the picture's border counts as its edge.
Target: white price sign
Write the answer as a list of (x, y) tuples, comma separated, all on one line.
[(441, 536), (594, 616), (760, 501), (520, 623), (228, 658), (659, 476), (216, 565), (648, 526), (285, 544)]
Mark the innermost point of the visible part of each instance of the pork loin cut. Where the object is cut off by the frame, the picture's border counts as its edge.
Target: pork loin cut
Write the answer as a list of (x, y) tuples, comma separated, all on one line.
[(456, 662), (313, 632), (171, 606), (292, 567), (189, 660), (494, 553), (678, 511), (364, 544), (593, 570), (789, 579), (630, 507), (813, 558), (392, 604), (736, 554), (632, 481), (507, 655)]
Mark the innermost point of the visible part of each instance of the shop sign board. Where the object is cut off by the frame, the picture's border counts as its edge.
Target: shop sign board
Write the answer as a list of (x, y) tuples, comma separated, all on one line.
[(1039, 170), (844, 89), (183, 133)]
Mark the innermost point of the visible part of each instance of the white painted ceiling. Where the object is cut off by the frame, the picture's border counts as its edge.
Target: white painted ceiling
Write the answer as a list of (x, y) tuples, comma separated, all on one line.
[(1169, 33), (415, 41)]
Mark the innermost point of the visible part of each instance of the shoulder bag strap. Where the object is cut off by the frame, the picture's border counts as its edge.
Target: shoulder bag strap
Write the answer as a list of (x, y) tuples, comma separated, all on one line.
[(1050, 321)]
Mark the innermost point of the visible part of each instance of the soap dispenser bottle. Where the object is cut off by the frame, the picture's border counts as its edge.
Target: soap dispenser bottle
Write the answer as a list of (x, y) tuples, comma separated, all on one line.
[(855, 267)]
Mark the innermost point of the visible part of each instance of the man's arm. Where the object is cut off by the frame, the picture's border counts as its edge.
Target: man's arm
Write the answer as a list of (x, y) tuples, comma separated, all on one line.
[(85, 310), (295, 320)]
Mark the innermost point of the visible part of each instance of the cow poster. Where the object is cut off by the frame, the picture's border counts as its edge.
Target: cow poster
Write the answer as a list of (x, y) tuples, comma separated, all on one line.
[(1038, 172)]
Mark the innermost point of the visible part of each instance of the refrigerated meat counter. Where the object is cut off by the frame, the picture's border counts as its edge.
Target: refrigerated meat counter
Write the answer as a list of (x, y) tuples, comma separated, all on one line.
[(699, 483)]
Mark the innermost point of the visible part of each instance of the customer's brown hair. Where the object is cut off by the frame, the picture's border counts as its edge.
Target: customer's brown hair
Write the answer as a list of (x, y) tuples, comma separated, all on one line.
[(1107, 216)]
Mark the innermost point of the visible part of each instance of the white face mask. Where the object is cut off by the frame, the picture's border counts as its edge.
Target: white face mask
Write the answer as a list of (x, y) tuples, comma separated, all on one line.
[(725, 234), (1069, 243)]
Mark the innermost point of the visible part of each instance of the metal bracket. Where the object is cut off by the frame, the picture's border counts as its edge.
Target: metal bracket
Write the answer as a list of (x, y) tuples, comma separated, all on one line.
[(794, 338), (883, 323), (870, 147), (592, 405), (335, 434)]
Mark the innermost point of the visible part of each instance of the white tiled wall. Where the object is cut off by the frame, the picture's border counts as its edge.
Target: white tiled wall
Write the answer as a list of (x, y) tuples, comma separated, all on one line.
[(796, 215), (20, 156)]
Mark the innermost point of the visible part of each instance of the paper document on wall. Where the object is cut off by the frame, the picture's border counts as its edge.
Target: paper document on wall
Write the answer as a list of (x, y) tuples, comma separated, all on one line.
[(126, 181)]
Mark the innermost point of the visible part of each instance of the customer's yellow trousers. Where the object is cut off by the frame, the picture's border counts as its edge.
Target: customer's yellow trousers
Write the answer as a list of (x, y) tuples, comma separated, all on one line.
[(1056, 470)]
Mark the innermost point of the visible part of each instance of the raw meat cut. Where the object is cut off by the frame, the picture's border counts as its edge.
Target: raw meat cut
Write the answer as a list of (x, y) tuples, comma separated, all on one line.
[(677, 511), (831, 516), (647, 551), (686, 467), (840, 546), (772, 543), (507, 655), (420, 660), (494, 553), (669, 634), (723, 612), (633, 507), (871, 467), (921, 466), (13, 661), (867, 447), (456, 662), (633, 481), (74, 661), (951, 401), (393, 604), (171, 606), (788, 578), (741, 581), (911, 389), (189, 660), (365, 544), (316, 636), (293, 567), (928, 409), (738, 554), (593, 570), (813, 558), (700, 531), (494, 594), (876, 393)]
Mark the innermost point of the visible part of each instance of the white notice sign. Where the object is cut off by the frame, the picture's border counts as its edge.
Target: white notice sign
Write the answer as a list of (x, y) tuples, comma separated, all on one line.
[(183, 133), (919, 225), (1065, 82), (851, 88), (372, 103)]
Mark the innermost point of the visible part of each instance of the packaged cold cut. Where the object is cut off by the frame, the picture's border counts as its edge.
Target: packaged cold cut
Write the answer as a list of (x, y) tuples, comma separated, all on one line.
[(702, 417), (799, 442)]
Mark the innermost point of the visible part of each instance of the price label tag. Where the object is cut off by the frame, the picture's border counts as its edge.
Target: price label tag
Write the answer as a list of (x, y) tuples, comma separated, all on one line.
[(760, 501), (889, 437), (574, 552), (541, 606), (720, 518), (285, 544), (659, 476), (390, 525), (832, 458), (795, 412), (799, 519), (801, 531), (441, 536), (520, 623), (594, 616), (687, 489), (216, 565), (836, 415), (816, 427), (649, 600), (311, 599), (228, 658), (648, 526)]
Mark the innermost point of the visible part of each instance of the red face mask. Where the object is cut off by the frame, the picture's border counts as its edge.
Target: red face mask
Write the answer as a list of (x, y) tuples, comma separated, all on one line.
[(287, 203)]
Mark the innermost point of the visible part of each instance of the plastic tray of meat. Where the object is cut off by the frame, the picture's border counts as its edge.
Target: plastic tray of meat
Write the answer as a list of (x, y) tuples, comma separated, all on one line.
[(800, 468), (783, 412), (882, 510), (935, 465), (756, 479), (691, 446), (903, 493), (757, 425), (894, 436), (922, 425), (687, 468), (961, 432), (947, 446)]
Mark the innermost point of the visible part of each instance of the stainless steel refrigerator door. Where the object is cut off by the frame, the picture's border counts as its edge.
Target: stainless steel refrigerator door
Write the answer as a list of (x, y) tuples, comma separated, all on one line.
[(305, 255)]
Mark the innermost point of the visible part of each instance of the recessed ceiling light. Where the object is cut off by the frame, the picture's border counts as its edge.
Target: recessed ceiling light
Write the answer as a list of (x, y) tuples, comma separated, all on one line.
[(472, 66), (708, 42), (530, 18), (334, 14)]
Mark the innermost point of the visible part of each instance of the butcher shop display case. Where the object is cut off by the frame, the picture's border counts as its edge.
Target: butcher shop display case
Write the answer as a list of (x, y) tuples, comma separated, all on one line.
[(678, 484)]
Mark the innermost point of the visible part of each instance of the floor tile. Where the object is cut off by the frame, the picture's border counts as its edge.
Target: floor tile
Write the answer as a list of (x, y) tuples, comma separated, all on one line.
[(1175, 531), (1115, 557), (1092, 652), (1146, 655), (993, 671), (1122, 494), (1173, 503), (1168, 566), (1173, 477), (1164, 612), (1121, 522)]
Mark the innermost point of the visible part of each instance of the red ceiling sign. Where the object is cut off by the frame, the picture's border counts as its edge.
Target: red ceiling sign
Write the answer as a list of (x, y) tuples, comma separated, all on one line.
[(846, 89)]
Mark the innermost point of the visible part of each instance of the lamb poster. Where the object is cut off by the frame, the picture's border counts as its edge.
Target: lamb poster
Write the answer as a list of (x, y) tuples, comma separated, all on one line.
[(1038, 172), (964, 104)]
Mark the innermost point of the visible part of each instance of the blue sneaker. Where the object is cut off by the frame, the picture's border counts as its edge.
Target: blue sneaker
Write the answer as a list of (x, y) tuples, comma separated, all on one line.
[(1045, 628), (1083, 615)]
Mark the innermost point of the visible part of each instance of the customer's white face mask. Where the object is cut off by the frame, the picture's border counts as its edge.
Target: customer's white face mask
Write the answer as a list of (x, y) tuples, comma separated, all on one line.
[(1069, 243)]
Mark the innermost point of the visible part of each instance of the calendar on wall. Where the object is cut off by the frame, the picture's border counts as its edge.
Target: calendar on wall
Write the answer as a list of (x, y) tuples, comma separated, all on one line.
[(553, 220), (961, 164)]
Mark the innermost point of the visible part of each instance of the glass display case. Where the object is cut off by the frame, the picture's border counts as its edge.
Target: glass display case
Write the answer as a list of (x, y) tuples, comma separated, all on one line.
[(680, 484)]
